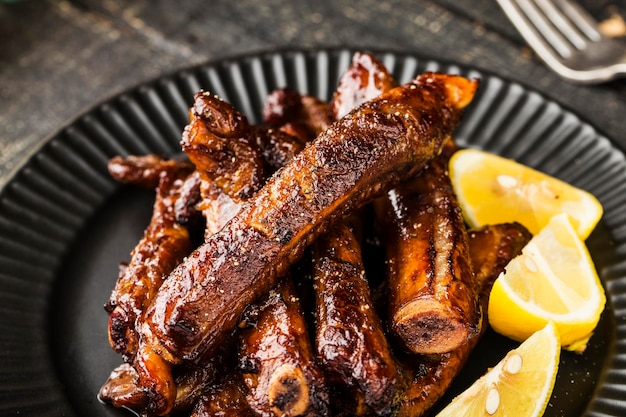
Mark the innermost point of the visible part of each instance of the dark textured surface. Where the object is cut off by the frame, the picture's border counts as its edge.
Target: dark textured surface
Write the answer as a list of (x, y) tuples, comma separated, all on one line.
[(60, 57)]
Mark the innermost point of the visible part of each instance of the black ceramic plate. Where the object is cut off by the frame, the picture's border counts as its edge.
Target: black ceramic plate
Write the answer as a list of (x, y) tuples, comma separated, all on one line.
[(65, 225)]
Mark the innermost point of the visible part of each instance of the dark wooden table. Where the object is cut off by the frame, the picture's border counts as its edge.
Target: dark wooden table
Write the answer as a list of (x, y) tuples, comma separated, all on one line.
[(59, 57)]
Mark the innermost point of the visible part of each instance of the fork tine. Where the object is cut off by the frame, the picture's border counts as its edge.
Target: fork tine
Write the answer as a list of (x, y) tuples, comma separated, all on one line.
[(567, 39), (543, 28), (585, 23), (561, 21)]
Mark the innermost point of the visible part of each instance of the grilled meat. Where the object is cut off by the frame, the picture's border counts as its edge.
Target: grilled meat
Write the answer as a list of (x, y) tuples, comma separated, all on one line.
[(144, 170), (226, 399), (370, 150), (164, 243), (122, 389), (351, 345), (277, 359), (365, 79), (277, 147), (433, 304), (429, 376), (300, 115), (221, 144), (491, 249)]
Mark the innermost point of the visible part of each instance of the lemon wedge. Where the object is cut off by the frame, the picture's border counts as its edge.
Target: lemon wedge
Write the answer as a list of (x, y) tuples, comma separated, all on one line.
[(520, 385), (492, 189), (552, 280)]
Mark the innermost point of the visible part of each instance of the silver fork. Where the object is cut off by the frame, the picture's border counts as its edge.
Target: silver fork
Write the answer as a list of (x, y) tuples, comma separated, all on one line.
[(567, 39)]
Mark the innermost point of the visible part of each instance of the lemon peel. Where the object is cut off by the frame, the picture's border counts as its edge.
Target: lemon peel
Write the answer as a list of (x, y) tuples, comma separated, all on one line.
[(520, 385), (492, 189), (552, 280)]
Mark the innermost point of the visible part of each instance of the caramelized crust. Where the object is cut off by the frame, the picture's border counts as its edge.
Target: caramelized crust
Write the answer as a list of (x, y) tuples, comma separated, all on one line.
[(277, 360), (300, 115), (491, 249), (164, 243), (429, 376), (227, 399), (122, 390), (277, 146), (221, 144), (372, 149), (365, 79), (144, 170), (433, 304), (351, 345)]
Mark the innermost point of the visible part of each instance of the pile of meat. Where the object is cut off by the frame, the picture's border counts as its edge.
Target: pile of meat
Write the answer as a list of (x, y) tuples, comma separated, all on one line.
[(252, 291)]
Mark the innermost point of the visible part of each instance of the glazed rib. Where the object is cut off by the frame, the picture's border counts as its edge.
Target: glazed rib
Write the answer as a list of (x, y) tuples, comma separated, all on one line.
[(122, 390), (368, 151), (195, 380), (429, 376), (491, 249), (278, 147), (365, 79), (433, 304), (191, 382), (221, 144), (227, 399), (300, 115), (164, 243), (277, 359), (144, 170), (351, 345)]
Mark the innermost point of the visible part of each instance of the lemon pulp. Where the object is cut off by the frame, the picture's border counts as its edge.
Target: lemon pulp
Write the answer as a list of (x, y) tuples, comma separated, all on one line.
[(520, 385), (552, 280), (492, 189)]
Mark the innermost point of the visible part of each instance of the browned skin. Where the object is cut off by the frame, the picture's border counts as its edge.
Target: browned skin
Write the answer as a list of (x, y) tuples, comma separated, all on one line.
[(193, 380), (351, 345), (433, 304), (221, 144), (227, 399), (277, 146), (143, 170), (276, 149), (223, 147), (300, 115), (365, 79), (429, 376), (370, 150), (164, 243), (215, 128), (491, 249), (277, 359), (186, 206), (146, 170), (350, 340), (121, 389), (217, 207)]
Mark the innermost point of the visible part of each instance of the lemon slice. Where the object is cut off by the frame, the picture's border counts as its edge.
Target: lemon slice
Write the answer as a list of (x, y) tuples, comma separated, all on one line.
[(553, 279), (520, 385), (492, 189)]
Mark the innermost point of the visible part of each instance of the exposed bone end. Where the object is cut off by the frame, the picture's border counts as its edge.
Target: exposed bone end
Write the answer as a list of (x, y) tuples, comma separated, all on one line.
[(426, 326), (121, 389), (288, 391)]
